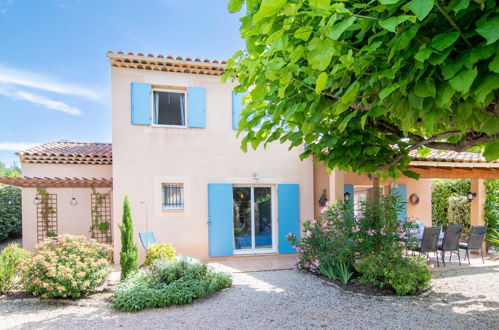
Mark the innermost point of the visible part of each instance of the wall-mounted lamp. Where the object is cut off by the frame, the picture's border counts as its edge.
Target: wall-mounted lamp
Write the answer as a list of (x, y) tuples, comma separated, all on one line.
[(37, 200), (323, 199), (255, 176), (73, 200), (471, 196), (346, 196)]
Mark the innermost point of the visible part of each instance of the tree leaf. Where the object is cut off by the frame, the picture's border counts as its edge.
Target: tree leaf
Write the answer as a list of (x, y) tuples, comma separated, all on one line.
[(488, 85), (463, 4), (319, 4), (321, 53), (494, 64), (491, 151), (351, 93), (303, 32), (388, 90), (425, 88), (391, 23), (420, 8), (444, 40), (343, 124), (388, 2), (423, 54), (416, 101), (321, 82), (268, 8), (235, 5), (463, 80), (489, 29), (337, 29)]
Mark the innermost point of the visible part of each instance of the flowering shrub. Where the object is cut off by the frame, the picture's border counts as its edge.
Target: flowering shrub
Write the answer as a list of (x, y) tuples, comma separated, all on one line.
[(157, 251), (333, 244), (67, 266), (11, 259)]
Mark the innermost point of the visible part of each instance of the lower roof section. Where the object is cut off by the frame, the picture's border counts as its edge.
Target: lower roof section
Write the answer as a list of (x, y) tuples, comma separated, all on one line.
[(31, 182)]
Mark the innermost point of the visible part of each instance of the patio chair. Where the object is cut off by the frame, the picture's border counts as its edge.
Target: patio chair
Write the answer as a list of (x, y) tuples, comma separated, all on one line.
[(475, 241), (147, 239), (451, 242), (429, 243)]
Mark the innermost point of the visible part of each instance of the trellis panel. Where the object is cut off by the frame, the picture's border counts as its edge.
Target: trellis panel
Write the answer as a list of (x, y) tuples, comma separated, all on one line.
[(46, 217), (101, 229)]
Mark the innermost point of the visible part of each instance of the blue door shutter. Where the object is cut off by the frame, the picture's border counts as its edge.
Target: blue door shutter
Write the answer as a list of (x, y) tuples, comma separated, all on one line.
[(196, 98), (237, 107), (141, 104), (288, 209), (220, 222), (348, 188), (401, 192)]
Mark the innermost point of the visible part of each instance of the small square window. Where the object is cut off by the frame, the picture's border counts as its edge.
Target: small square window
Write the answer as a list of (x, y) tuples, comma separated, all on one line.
[(173, 196), (169, 108)]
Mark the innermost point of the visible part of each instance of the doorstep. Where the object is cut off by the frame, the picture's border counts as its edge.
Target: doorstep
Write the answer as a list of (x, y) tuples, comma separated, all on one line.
[(253, 263)]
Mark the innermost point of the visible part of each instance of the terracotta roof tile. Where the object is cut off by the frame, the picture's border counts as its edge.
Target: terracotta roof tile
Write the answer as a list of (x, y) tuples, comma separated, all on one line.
[(66, 152), (166, 64)]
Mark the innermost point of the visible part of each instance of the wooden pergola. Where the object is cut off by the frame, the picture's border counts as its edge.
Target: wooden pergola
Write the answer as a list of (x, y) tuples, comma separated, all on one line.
[(33, 182)]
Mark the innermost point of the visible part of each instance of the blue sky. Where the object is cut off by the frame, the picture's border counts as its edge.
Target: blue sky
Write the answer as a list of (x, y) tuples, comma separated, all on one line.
[(54, 75)]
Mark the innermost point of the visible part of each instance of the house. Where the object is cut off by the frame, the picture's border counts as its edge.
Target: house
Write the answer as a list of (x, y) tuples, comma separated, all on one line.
[(176, 156)]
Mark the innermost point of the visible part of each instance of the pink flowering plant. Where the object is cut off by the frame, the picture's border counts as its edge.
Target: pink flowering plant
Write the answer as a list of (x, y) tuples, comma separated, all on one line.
[(67, 267), (327, 240)]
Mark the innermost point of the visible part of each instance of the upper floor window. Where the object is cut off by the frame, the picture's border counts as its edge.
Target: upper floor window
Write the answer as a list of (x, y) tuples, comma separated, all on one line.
[(169, 108)]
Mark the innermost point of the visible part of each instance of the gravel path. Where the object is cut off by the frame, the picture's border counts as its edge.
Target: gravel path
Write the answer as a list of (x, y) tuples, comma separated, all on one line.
[(461, 299)]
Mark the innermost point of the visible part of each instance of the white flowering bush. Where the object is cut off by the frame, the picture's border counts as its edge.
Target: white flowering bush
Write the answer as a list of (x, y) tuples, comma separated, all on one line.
[(67, 267)]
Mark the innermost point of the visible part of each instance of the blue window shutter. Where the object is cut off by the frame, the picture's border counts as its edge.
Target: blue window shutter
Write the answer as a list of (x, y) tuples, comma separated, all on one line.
[(196, 97), (220, 222), (288, 209), (348, 188), (237, 107), (401, 191), (141, 104)]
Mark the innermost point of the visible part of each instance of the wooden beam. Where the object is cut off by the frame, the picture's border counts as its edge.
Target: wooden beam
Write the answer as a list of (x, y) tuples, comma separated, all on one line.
[(455, 172)]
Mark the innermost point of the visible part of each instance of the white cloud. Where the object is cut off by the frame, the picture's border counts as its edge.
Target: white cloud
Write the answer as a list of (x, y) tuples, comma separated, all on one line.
[(17, 146), (40, 100), (37, 81)]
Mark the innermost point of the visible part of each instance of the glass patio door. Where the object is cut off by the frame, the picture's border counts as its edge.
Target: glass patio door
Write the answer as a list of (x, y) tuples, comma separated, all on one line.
[(253, 219)]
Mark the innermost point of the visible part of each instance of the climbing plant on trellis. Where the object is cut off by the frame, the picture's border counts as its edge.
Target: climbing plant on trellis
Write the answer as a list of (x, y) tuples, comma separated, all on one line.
[(46, 214), (100, 230)]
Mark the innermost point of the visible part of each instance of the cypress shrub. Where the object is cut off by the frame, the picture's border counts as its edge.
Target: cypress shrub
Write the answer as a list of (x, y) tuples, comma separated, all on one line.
[(128, 254)]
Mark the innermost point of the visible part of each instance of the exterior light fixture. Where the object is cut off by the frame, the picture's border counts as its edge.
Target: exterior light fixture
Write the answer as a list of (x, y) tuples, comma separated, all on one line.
[(346, 196), (37, 200), (255, 176), (470, 196), (394, 185), (73, 201), (323, 199)]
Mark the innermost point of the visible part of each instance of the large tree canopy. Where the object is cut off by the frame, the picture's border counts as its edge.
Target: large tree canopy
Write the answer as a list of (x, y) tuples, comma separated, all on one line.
[(359, 84)]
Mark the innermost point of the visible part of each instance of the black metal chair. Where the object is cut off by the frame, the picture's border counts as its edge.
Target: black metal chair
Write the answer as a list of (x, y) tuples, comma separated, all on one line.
[(429, 243), (475, 241), (451, 242)]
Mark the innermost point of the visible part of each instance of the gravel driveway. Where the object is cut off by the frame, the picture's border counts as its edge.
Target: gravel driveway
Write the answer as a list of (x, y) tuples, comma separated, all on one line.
[(461, 299)]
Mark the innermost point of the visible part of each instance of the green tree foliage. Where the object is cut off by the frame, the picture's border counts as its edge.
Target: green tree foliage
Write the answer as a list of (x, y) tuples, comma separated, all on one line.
[(13, 171), (10, 211), (492, 210), (441, 190), (361, 83), (128, 254), (459, 211)]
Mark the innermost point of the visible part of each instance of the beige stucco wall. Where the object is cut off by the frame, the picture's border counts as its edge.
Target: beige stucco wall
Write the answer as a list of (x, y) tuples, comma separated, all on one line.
[(421, 187), (74, 220), (71, 219), (144, 157)]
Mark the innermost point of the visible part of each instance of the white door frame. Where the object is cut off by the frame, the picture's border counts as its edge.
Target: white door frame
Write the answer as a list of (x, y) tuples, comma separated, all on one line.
[(253, 249)]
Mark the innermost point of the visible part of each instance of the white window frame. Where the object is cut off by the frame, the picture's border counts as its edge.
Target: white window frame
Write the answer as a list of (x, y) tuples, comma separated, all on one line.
[(254, 250), (178, 91), (182, 194)]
